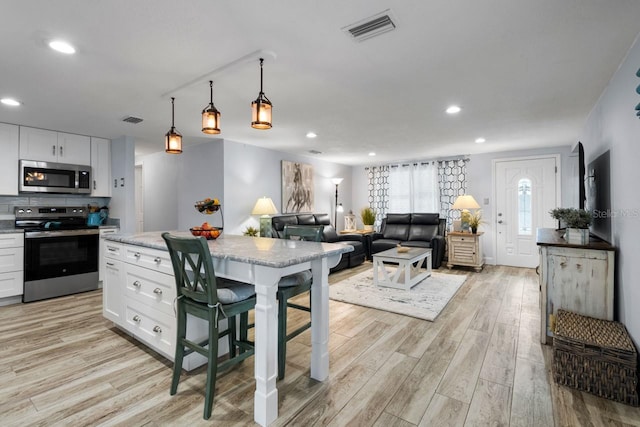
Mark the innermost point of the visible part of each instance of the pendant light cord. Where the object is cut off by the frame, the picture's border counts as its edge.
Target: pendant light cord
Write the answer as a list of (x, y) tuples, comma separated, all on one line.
[(211, 87), (172, 113), (261, 61)]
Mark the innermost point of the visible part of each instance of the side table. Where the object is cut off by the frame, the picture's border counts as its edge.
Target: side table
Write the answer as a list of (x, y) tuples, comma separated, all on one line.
[(465, 249)]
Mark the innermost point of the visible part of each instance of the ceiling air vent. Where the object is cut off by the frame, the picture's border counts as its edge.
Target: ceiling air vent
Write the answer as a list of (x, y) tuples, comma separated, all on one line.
[(370, 27), (131, 119)]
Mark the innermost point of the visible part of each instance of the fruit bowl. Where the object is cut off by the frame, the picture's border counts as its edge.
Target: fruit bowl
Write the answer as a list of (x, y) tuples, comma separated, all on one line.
[(208, 206), (209, 234)]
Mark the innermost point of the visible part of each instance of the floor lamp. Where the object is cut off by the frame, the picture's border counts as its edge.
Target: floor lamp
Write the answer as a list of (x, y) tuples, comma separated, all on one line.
[(338, 208), (264, 207)]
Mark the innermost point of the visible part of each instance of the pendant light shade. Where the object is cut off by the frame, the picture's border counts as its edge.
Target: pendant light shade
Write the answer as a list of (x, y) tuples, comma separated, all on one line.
[(173, 139), (261, 108), (211, 116)]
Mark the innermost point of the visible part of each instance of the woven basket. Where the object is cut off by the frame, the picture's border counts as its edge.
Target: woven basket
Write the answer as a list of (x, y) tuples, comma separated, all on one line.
[(596, 356)]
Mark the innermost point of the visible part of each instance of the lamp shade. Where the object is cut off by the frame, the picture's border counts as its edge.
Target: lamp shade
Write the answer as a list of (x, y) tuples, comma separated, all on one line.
[(336, 181), (465, 202), (264, 206)]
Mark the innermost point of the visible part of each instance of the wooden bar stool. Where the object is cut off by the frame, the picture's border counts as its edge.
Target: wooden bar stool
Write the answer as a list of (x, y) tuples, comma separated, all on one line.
[(202, 294)]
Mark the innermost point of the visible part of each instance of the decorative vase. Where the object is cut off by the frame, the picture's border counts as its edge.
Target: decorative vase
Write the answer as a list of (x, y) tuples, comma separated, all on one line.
[(368, 227), (577, 236), (474, 230)]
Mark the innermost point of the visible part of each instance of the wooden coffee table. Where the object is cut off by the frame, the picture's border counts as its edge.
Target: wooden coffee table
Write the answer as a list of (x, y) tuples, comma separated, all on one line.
[(408, 273)]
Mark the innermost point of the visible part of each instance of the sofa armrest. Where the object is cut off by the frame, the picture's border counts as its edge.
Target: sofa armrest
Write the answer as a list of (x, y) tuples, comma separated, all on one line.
[(437, 250), (376, 236), (351, 237)]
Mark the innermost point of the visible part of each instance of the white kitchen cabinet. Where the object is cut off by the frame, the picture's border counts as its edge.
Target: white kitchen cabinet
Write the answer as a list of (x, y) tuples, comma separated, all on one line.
[(139, 295), (101, 167), (10, 142), (102, 250), (51, 146), (11, 264), (578, 278)]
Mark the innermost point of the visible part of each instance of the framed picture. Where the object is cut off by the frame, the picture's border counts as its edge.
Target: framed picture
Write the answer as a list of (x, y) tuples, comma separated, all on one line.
[(297, 187)]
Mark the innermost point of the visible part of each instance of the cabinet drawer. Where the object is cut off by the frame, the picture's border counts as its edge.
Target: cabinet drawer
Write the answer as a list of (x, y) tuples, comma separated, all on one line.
[(11, 240), (151, 288), (11, 284), (11, 259), (155, 328), (462, 239), (113, 250), (149, 258)]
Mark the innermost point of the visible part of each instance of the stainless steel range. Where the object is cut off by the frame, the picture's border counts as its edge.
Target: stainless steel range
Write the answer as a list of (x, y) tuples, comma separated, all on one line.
[(60, 251)]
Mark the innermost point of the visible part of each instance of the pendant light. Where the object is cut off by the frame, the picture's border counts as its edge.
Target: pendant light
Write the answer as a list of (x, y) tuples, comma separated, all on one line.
[(173, 139), (211, 116), (261, 108)]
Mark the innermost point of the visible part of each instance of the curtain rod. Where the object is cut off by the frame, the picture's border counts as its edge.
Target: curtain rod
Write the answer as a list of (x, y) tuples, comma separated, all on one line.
[(421, 162)]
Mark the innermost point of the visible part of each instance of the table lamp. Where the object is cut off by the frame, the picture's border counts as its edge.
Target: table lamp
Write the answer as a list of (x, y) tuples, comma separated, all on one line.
[(464, 203), (264, 207)]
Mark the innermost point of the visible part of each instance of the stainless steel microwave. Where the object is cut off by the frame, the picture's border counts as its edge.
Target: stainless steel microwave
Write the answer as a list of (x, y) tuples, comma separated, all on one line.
[(48, 177)]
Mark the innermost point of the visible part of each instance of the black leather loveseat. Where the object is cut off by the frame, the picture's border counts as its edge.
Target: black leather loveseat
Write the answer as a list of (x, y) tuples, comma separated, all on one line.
[(329, 235), (423, 230)]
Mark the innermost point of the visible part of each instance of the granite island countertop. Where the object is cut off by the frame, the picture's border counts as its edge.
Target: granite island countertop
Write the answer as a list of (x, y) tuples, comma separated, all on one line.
[(256, 250)]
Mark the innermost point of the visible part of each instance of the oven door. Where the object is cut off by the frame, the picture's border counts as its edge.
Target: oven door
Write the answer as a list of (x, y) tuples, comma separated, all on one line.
[(51, 254)]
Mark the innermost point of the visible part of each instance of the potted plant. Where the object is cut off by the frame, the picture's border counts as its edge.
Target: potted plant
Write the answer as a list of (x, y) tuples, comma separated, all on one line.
[(475, 219), (368, 216), (577, 223), (251, 231)]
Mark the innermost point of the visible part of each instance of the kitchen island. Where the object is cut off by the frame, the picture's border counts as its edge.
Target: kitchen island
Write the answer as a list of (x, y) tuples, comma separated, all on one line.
[(139, 290)]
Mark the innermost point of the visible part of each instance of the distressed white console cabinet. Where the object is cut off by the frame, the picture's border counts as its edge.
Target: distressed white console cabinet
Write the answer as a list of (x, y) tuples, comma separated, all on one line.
[(573, 277)]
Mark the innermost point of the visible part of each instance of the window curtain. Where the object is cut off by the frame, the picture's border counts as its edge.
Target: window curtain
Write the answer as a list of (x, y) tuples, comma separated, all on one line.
[(378, 191), (452, 179), (414, 188)]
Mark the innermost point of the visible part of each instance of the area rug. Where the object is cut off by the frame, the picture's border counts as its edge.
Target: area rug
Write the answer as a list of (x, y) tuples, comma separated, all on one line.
[(425, 300)]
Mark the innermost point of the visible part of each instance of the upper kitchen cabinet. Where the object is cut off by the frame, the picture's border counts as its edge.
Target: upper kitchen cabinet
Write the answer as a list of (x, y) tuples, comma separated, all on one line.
[(50, 146), (9, 160), (101, 166)]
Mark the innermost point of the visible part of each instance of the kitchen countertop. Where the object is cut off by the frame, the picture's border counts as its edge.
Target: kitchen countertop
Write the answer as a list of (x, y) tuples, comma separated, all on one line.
[(8, 226), (265, 251)]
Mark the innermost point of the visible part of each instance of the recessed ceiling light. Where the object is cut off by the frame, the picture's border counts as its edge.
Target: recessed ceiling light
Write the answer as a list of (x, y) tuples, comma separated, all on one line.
[(10, 101), (480, 140), (372, 154), (62, 46), (311, 135), (453, 109)]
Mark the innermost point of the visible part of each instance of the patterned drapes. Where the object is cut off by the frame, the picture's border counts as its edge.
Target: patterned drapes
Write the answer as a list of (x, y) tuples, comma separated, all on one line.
[(378, 191), (452, 178)]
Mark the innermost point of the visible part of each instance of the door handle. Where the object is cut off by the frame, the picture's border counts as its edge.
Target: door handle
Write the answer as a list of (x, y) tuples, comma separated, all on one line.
[(500, 222)]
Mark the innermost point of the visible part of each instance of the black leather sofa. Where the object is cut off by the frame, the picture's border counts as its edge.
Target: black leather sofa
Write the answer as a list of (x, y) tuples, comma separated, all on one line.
[(423, 230), (329, 235)]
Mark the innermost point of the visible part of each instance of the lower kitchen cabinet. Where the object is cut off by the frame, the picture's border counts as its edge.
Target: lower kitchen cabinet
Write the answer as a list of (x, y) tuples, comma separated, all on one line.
[(11, 264), (139, 296)]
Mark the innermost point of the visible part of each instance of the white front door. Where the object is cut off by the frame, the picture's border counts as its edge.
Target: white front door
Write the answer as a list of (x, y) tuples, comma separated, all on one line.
[(526, 190)]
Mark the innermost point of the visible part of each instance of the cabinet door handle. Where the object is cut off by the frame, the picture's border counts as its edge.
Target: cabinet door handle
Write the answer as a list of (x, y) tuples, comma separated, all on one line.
[(111, 249), (110, 264), (157, 260), (136, 318), (136, 284), (53, 150), (61, 153), (157, 329), (157, 291), (137, 255), (94, 184)]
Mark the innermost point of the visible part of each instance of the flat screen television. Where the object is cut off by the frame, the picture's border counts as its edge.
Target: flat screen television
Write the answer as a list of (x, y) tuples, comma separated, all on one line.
[(598, 185), (577, 177)]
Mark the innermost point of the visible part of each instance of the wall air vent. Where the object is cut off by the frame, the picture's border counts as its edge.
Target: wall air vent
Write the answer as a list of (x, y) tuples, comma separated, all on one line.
[(131, 119), (375, 25), (315, 152)]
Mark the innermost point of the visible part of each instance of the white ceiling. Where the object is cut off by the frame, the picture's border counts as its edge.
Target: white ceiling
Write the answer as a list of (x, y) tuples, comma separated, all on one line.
[(526, 73)]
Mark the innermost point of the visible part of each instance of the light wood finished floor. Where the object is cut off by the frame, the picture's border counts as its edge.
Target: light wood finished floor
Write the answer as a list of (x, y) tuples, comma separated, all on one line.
[(479, 363)]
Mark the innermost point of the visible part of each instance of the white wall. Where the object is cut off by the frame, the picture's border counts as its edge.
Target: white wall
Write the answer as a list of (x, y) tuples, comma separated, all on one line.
[(122, 204), (613, 125), (252, 172), (237, 174)]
